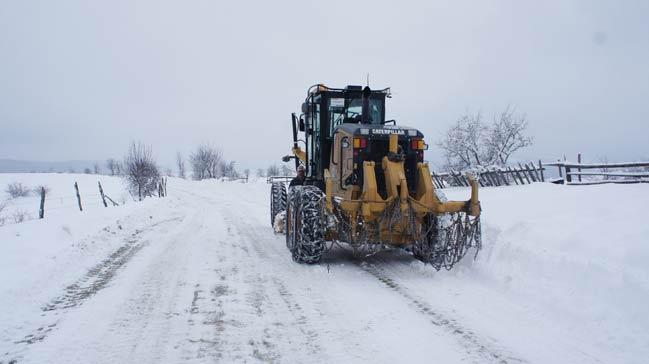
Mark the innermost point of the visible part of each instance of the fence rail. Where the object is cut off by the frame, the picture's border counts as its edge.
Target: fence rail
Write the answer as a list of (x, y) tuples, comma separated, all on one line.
[(568, 171)]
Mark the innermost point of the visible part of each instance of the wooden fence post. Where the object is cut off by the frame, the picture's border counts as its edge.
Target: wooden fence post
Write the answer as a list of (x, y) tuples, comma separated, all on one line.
[(76, 188), (167, 180), (101, 192), (568, 178), (502, 176), (559, 166), (493, 181), (518, 175), (541, 170), (530, 171), (512, 174), (534, 172), (579, 169), (41, 211), (524, 174)]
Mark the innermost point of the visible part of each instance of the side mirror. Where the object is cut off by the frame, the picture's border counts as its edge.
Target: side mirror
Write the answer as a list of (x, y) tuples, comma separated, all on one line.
[(302, 127)]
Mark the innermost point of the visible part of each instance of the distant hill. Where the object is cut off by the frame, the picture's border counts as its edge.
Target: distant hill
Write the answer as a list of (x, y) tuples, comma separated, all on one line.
[(18, 166)]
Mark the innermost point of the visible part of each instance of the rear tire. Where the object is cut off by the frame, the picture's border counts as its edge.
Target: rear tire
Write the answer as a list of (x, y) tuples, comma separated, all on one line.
[(277, 200), (427, 249), (304, 224)]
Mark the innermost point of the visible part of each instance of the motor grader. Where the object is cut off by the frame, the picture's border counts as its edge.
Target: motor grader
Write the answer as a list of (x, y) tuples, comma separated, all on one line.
[(367, 185)]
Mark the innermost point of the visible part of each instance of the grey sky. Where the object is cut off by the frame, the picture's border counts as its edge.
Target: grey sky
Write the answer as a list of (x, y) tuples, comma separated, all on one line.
[(80, 79)]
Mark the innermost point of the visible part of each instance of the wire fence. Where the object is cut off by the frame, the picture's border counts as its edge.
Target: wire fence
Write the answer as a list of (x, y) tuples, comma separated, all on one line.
[(45, 204)]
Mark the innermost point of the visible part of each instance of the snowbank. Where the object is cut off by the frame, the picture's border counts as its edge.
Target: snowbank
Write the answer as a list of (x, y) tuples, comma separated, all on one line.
[(575, 256)]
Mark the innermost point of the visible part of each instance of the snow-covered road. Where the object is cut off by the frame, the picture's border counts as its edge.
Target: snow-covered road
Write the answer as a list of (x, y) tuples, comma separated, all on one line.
[(200, 277)]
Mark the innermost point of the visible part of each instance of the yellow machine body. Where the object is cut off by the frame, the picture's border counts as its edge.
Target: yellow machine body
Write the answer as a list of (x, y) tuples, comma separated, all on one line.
[(367, 205)]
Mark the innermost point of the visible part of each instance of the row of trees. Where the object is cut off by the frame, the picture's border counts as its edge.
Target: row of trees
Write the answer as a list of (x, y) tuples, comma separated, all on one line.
[(141, 171), (470, 143), (207, 162)]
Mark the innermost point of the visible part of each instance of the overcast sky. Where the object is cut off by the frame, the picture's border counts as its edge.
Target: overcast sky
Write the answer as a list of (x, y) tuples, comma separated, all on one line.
[(81, 79)]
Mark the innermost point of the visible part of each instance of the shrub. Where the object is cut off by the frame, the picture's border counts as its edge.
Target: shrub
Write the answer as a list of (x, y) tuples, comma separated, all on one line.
[(20, 216), (17, 189), (37, 190)]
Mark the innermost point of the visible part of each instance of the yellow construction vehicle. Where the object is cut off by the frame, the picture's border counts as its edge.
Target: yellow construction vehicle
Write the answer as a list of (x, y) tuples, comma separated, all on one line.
[(367, 184)]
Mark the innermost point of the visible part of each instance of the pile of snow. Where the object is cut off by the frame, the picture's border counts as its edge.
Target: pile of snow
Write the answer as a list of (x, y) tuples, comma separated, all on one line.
[(572, 257)]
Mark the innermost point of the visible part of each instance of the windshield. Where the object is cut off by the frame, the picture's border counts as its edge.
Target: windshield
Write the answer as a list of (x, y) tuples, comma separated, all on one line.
[(350, 110)]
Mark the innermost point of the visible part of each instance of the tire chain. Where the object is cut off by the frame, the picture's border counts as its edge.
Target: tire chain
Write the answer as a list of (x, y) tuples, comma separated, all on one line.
[(447, 239), (307, 207)]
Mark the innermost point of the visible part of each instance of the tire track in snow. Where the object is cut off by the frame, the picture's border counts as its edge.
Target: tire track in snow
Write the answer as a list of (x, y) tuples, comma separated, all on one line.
[(96, 279), (266, 302), (301, 321), (468, 338)]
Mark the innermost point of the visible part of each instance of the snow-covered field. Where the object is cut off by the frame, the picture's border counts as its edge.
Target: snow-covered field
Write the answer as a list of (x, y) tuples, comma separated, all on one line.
[(199, 277), (61, 199)]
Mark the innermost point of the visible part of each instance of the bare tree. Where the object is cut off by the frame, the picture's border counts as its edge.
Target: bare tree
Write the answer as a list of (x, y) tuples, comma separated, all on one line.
[(119, 168), (141, 171), (87, 170), (505, 136), (272, 170), (96, 168), (472, 143), (261, 172), (180, 164), (205, 162), (229, 170), (112, 166), (286, 171), (246, 173), (463, 143)]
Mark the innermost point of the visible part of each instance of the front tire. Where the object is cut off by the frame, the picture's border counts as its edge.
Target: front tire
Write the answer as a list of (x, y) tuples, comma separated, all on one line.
[(304, 224)]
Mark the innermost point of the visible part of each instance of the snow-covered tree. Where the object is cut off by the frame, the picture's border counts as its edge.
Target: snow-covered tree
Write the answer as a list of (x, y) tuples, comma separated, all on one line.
[(272, 170), (141, 171), (473, 143), (286, 171), (505, 136), (112, 166), (180, 164), (206, 162)]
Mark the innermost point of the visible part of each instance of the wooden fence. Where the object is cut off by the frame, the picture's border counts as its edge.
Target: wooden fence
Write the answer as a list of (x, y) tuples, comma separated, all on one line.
[(519, 174), (573, 174)]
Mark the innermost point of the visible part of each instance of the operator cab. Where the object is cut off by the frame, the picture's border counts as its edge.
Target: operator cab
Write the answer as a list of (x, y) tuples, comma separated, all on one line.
[(345, 127), (327, 108)]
